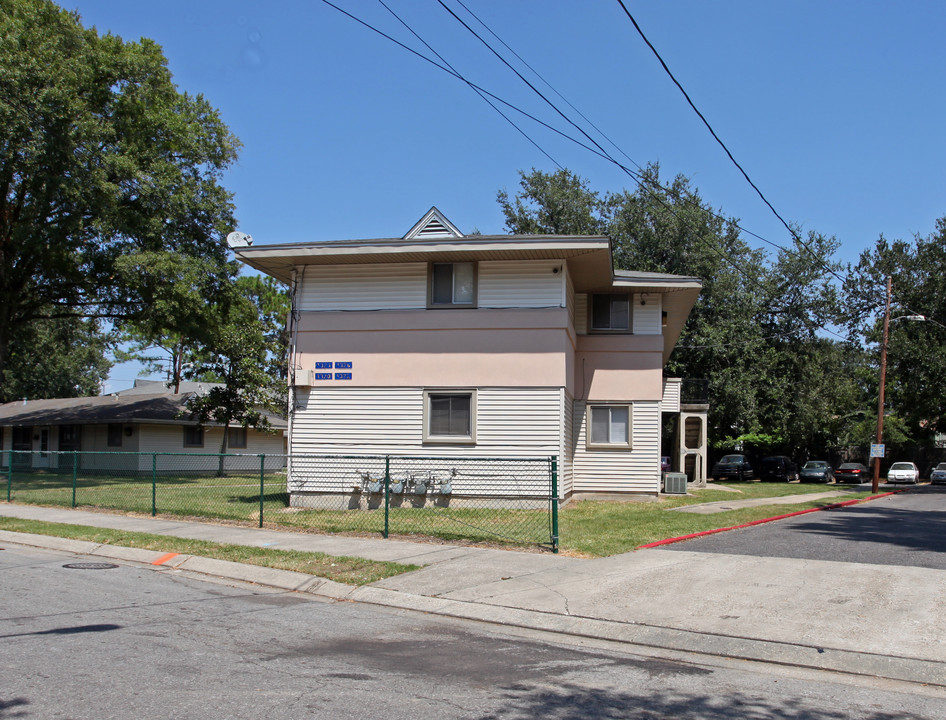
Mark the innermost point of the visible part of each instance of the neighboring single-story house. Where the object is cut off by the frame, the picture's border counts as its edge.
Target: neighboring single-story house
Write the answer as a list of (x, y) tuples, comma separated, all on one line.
[(440, 344), (148, 418)]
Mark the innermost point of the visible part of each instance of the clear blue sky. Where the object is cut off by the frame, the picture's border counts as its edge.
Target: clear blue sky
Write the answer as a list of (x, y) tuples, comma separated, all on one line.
[(835, 109)]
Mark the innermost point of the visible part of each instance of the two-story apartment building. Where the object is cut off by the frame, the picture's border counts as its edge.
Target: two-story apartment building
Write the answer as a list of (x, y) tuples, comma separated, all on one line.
[(440, 344)]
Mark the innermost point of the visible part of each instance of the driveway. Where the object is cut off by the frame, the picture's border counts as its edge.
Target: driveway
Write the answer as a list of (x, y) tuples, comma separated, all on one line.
[(907, 530)]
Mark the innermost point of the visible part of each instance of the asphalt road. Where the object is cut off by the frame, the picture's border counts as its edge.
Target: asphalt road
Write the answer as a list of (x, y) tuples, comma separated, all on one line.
[(138, 642), (906, 529)]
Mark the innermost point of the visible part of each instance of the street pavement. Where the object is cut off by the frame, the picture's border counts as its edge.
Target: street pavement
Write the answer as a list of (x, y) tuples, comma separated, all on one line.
[(875, 620)]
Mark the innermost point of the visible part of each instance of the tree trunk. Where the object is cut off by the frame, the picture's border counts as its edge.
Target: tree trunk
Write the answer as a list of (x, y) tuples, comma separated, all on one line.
[(223, 450)]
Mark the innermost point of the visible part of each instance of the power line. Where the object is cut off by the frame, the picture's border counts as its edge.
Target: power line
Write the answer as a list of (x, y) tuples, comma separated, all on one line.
[(473, 87), (722, 144), (597, 150)]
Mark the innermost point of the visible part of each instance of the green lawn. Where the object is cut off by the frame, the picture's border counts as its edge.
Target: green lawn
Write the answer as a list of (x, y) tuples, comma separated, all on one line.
[(590, 527), (598, 529)]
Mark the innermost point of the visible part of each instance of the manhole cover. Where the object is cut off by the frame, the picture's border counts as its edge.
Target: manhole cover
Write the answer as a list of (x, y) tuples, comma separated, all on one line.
[(90, 566)]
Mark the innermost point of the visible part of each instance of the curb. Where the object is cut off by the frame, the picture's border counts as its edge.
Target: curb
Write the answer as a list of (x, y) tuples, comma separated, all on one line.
[(832, 506), (677, 640)]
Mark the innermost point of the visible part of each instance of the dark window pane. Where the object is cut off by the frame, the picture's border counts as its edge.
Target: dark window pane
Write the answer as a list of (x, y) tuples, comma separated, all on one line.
[(601, 312), (442, 279), (450, 415), (114, 435)]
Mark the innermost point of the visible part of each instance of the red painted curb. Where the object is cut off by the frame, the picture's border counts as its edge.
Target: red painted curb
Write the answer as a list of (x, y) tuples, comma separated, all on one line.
[(846, 503)]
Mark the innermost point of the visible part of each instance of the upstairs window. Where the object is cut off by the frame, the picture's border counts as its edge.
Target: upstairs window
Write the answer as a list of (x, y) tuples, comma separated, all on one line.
[(452, 285), (450, 417), (609, 427), (610, 312)]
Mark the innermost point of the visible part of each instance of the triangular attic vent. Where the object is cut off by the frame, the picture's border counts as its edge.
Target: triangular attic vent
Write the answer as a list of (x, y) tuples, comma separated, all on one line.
[(433, 225)]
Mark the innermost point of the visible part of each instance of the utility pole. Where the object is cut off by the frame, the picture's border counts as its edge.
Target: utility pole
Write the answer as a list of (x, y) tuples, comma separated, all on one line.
[(883, 378)]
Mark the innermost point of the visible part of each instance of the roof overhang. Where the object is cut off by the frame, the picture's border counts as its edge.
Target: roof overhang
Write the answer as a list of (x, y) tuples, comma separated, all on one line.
[(587, 257)]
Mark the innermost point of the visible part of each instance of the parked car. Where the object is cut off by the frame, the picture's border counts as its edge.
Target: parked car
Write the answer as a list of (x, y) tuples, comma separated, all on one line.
[(852, 473), (733, 467), (817, 471), (664, 463), (903, 472), (939, 474), (778, 467)]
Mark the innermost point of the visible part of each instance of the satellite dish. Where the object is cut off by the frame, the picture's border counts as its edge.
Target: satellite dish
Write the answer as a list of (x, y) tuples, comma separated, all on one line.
[(239, 240)]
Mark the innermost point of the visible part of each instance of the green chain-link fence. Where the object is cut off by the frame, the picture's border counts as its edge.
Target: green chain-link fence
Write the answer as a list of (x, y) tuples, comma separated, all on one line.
[(505, 500)]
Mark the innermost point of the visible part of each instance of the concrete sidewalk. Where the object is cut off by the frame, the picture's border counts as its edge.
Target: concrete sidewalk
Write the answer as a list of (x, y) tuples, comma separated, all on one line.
[(865, 619)]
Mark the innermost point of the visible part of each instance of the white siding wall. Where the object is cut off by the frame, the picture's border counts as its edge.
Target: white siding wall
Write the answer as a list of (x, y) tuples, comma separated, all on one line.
[(519, 285), (394, 286), (353, 422), (671, 395), (567, 464), (581, 313), (636, 470), (403, 286), (647, 317), (510, 422)]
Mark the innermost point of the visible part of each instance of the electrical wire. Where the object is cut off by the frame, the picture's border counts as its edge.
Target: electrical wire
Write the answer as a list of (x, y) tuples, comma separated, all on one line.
[(475, 89), (723, 145), (597, 150)]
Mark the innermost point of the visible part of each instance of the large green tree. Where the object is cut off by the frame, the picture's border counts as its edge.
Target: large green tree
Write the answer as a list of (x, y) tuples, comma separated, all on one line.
[(104, 165), (754, 331), (916, 361)]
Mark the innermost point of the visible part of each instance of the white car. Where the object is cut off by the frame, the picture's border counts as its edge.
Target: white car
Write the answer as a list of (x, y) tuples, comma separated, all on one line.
[(903, 472)]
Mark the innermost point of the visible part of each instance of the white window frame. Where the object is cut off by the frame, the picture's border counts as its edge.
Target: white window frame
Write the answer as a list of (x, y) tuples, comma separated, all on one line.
[(630, 313), (431, 305), (429, 437), (591, 444)]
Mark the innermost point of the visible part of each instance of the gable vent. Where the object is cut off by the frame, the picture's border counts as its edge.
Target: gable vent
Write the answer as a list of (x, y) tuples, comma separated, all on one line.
[(433, 225), (434, 228)]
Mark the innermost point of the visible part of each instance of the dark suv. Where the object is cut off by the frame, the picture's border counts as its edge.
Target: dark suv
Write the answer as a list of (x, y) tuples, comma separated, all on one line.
[(778, 467), (735, 467)]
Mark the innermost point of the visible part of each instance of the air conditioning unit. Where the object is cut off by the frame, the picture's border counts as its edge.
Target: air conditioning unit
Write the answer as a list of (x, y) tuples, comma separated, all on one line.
[(675, 483)]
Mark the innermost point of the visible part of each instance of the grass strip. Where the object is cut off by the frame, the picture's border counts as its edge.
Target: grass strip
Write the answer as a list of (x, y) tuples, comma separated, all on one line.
[(348, 570), (597, 529)]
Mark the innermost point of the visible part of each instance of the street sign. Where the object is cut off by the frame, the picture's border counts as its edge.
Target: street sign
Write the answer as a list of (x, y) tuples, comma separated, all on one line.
[(876, 450)]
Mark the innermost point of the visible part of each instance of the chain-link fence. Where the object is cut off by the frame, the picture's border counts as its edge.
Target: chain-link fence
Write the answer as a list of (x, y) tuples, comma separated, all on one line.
[(505, 500)]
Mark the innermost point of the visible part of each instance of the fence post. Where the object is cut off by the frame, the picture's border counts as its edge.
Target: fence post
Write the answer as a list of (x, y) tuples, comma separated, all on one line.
[(554, 500), (154, 484), (75, 475), (387, 493), (10, 476), (262, 470)]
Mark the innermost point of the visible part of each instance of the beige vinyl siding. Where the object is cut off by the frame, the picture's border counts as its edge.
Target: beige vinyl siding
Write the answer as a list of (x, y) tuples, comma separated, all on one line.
[(617, 471), (570, 298), (647, 317), (394, 286), (403, 286), (170, 439), (670, 402), (519, 285), (510, 422), (567, 463), (581, 313)]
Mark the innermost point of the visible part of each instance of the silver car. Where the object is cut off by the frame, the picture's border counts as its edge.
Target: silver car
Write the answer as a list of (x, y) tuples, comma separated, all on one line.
[(939, 474), (903, 472)]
